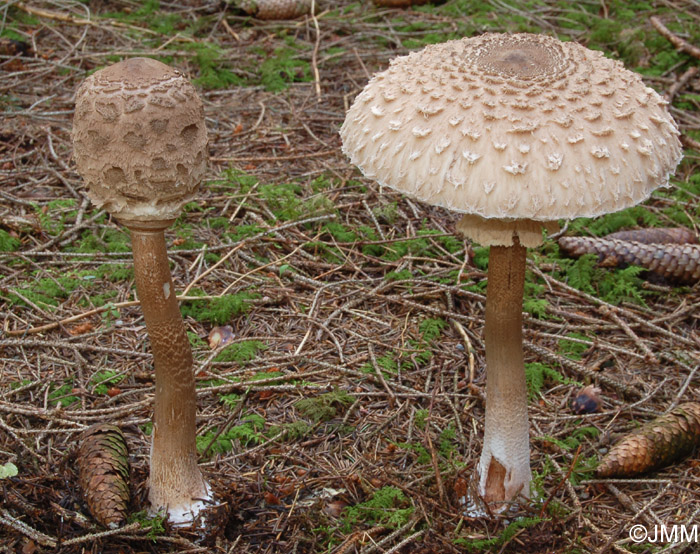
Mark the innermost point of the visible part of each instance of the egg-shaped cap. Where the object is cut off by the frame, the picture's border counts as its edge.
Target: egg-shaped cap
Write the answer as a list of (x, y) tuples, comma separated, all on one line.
[(513, 127), (139, 139)]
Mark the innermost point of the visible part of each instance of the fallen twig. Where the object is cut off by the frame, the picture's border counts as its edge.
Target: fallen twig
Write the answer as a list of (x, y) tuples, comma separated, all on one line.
[(679, 43)]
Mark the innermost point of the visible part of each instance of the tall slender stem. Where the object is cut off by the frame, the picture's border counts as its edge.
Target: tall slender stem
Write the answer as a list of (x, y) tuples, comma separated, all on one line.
[(504, 467), (175, 479)]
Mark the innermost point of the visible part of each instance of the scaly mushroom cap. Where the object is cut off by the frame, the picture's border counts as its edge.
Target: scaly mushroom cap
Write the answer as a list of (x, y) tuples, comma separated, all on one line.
[(139, 139), (513, 127)]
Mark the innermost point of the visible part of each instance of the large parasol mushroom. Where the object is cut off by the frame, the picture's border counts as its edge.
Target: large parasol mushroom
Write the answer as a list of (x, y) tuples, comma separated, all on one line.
[(140, 144), (516, 132)]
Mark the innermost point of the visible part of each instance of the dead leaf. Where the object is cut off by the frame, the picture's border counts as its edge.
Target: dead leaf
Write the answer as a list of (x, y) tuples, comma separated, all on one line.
[(81, 328)]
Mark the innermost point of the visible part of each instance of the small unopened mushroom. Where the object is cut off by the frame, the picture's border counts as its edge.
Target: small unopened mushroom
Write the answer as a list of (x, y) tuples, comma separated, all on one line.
[(516, 132), (140, 144)]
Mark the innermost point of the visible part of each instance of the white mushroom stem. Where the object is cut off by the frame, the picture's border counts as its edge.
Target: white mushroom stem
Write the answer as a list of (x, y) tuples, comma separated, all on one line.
[(176, 485), (504, 467)]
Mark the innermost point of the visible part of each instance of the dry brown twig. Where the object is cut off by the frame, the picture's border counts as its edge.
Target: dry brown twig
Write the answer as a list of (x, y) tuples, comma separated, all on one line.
[(680, 44)]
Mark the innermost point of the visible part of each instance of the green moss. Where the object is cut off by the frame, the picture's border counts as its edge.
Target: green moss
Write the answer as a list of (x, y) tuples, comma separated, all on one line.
[(102, 240), (219, 310), (240, 352), (53, 216), (324, 406), (284, 199), (233, 178), (46, 293), (151, 16), (115, 272), (8, 243), (403, 275), (154, 523), (574, 440), (481, 257), (609, 223), (240, 232), (196, 341)]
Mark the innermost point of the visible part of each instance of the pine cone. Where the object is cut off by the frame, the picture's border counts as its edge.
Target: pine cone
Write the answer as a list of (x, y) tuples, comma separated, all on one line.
[(656, 444), (657, 235), (276, 9), (103, 463), (677, 262)]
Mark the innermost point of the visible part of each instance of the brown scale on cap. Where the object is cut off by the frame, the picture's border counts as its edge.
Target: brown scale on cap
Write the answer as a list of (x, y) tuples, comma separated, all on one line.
[(144, 155)]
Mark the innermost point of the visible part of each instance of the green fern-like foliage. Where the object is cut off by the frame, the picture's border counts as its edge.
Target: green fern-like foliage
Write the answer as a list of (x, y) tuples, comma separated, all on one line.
[(281, 68), (536, 374), (324, 406), (486, 545), (612, 286), (572, 349), (431, 328), (247, 433), (604, 225), (622, 285), (212, 73), (232, 400), (388, 364), (575, 439), (293, 431), (339, 232), (388, 506), (102, 380)]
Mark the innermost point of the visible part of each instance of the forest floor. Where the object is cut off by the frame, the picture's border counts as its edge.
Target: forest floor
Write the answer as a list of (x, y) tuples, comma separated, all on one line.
[(347, 412)]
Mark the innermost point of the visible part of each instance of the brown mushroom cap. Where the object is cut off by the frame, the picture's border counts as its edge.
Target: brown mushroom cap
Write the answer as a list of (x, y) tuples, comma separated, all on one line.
[(513, 127), (139, 138)]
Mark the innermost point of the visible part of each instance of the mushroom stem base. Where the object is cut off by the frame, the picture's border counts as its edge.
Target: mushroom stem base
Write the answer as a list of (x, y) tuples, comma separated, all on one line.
[(504, 468)]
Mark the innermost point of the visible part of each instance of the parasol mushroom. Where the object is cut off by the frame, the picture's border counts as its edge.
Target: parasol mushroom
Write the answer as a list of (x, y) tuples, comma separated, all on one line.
[(140, 144), (515, 132)]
